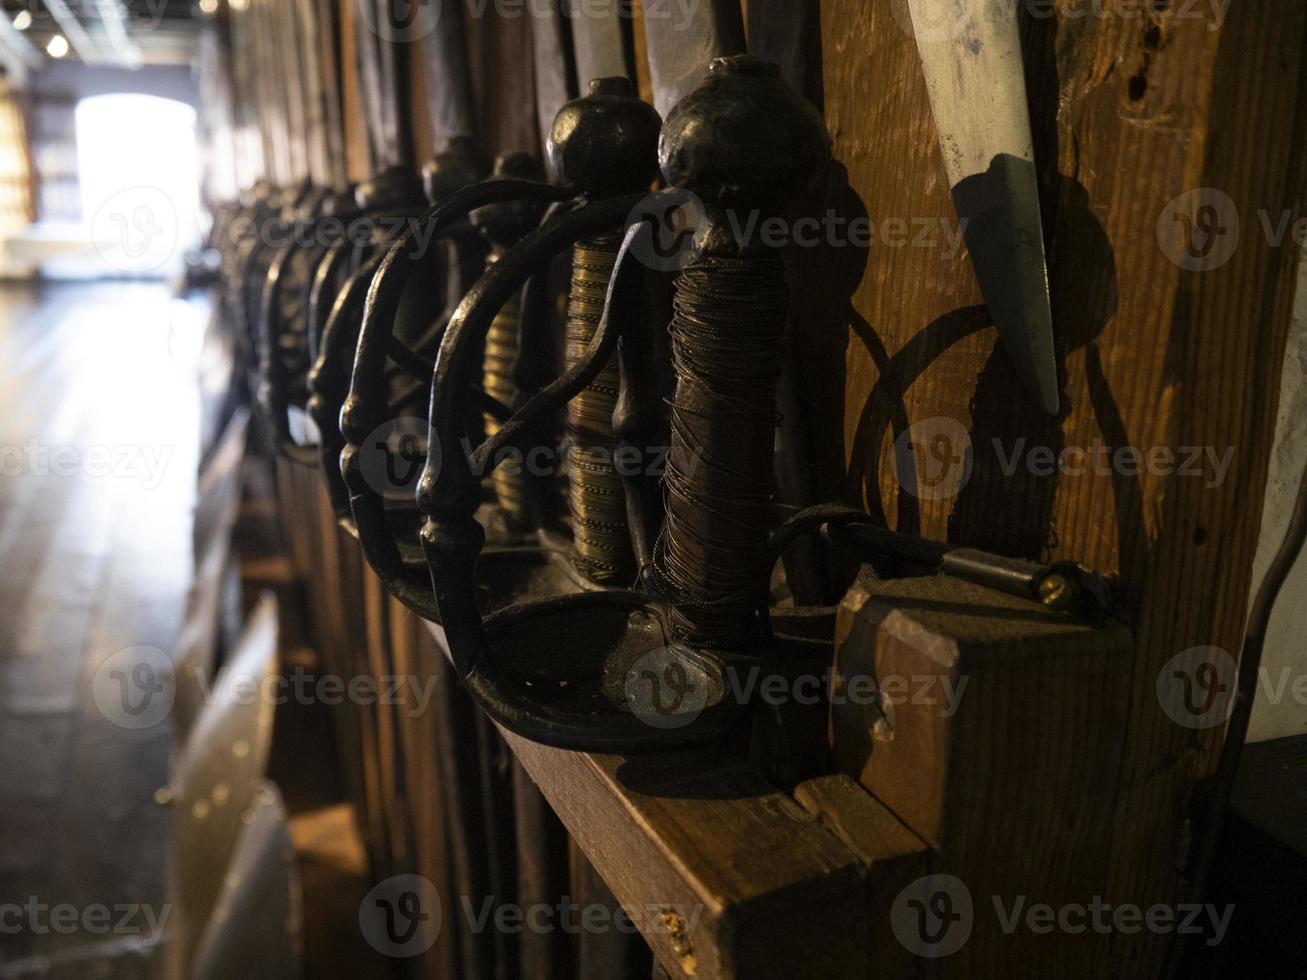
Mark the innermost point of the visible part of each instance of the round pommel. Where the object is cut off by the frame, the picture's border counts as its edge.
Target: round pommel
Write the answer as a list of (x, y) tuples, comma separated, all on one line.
[(503, 224), (607, 142), (395, 188), (744, 139), (457, 164)]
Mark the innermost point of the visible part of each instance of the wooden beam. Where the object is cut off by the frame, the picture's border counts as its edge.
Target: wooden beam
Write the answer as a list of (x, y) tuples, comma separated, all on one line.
[(724, 875), (893, 855), (356, 135)]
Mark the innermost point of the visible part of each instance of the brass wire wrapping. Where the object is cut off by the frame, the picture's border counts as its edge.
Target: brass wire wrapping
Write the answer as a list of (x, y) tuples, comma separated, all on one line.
[(500, 357), (601, 541), (727, 338)]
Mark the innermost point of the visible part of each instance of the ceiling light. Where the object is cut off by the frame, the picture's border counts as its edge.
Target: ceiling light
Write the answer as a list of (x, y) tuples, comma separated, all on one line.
[(208, 6), (58, 46), (23, 19)]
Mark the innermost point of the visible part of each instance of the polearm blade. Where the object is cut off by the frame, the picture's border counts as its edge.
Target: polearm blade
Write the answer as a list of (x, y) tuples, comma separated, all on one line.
[(683, 42), (971, 57), (601, 39)]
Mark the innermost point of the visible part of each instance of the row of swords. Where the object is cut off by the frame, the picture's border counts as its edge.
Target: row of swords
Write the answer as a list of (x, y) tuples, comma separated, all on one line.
[(616, 626), (450, 308)]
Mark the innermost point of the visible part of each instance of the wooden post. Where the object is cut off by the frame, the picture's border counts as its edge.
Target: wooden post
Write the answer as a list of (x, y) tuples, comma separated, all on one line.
[(993, 730)]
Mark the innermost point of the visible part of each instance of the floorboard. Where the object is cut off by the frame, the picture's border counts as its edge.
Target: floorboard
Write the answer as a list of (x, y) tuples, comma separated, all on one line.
[(98, 446)]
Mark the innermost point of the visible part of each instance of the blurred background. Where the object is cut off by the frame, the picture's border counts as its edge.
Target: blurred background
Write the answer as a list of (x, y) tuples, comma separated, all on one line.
[(99, 107)]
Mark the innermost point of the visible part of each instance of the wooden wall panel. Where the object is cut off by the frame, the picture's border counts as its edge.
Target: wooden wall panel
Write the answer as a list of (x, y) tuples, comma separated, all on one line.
[(1132, 106)]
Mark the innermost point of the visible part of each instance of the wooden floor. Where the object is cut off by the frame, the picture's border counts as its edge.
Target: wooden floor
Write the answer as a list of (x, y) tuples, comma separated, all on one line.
[(98, 431)]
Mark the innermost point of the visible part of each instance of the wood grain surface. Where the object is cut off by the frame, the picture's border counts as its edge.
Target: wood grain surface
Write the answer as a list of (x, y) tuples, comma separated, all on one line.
[(1132, 106)]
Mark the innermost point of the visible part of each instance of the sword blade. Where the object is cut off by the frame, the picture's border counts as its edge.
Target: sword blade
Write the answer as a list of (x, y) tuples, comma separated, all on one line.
[(682, 39), (446, 70), (600, 39), (555, 78), (971, 57), (308, 29), (381, 129), (788, 32)]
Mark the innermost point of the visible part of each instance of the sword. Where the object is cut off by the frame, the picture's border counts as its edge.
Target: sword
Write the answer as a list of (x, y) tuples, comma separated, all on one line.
[(971, 57)]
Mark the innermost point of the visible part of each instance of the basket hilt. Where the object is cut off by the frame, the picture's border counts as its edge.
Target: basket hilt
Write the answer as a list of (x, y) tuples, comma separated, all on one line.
[(503, 225), (319, 238), (385, 203), (285, 324), (368, 420)]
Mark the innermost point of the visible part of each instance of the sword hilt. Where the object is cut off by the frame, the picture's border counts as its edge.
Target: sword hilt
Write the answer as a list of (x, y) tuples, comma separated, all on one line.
[(745, 122), (605, 144), (745, 144)]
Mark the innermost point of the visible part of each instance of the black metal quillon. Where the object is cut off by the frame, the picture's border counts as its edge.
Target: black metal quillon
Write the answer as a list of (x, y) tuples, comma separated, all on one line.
[(744, 140)]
